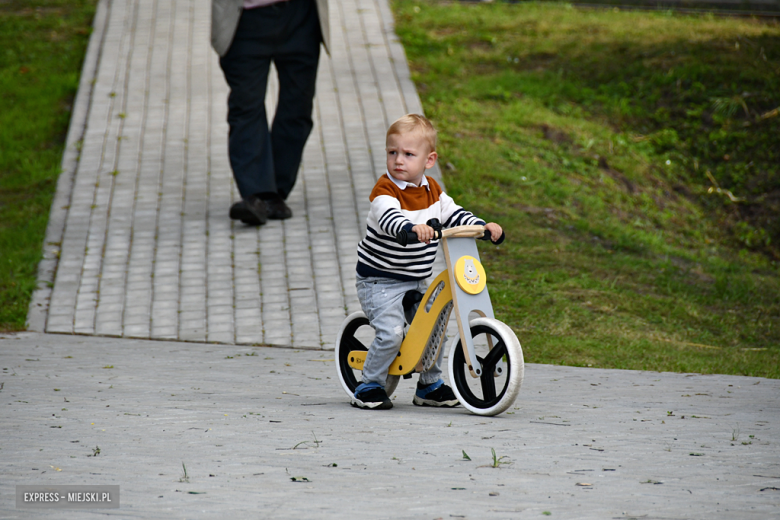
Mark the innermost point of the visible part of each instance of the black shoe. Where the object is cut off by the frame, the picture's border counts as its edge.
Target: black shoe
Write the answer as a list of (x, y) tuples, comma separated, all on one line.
[(442, 396), (277, 209), (252, 211), (372, 399)]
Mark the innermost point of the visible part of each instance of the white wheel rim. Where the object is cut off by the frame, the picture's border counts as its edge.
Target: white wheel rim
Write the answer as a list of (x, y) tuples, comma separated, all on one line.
[(516, 368)]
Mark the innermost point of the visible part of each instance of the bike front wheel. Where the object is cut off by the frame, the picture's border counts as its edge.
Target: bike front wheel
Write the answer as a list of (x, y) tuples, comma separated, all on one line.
[(503, 368), (356, 335)]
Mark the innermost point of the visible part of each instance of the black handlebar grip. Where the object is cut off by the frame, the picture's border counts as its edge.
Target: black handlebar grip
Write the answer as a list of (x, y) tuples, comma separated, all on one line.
[(488, 236), (405, 237)]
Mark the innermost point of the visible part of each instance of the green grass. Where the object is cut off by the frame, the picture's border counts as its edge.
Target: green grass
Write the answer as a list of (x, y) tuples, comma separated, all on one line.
[(42, 45), (607, 144)]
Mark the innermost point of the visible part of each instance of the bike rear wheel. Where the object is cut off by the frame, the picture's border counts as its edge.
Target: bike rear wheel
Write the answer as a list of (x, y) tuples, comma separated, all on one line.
[(502, 368), (356, 335)]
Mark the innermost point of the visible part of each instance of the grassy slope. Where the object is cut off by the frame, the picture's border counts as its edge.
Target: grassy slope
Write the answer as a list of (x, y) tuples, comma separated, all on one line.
[(572, 130), (43, 44)]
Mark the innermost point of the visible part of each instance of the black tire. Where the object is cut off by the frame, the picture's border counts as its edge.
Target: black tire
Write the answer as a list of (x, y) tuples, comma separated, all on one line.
[(356, 334), (502, 369)]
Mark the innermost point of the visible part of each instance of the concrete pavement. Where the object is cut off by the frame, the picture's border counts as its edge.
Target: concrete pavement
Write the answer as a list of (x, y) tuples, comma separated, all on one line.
[(580, 442)]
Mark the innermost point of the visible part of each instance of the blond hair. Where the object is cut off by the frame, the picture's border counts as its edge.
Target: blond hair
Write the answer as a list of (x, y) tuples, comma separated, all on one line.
[(414, 123)]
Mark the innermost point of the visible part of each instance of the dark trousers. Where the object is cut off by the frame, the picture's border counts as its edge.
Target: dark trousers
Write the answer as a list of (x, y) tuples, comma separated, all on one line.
[(287, 33)]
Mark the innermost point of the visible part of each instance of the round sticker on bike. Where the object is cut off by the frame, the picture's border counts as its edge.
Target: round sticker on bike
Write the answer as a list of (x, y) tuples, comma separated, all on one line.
[(470, 275)]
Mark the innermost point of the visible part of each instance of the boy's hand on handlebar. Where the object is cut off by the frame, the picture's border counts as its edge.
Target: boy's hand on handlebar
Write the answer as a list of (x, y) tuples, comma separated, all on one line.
[(424, 232), (494, 230)]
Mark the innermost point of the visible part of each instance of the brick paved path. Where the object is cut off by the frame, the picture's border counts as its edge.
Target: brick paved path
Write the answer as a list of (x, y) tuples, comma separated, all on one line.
[(140, 244)]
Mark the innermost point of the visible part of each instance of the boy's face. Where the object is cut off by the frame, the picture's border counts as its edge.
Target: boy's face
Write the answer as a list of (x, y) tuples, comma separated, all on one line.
[(408, 156)]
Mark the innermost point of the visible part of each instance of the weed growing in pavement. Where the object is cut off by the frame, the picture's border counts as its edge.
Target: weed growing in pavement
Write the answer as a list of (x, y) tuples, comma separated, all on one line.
[(498, 461), (315, 442), (184, 477)]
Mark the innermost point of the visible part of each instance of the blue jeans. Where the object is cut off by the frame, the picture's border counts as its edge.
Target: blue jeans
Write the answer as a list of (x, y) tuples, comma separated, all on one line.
[(381, 300)]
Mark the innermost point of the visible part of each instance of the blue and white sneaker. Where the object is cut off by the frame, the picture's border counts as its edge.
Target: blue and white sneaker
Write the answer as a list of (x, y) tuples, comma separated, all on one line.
[(435, 394), (371, 396)]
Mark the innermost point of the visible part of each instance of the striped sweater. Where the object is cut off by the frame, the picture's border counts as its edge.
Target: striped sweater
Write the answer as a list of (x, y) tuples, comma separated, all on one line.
[(397, 205)]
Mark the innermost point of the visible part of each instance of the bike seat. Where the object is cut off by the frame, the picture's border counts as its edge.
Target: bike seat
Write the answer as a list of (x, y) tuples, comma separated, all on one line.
[(411, 298)]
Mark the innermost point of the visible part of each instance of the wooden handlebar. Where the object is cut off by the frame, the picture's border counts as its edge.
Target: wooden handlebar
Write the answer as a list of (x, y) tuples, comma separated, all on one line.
[(464, 232)]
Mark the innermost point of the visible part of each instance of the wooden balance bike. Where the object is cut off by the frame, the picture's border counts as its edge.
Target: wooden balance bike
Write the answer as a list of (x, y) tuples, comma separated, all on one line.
[(485, 363)]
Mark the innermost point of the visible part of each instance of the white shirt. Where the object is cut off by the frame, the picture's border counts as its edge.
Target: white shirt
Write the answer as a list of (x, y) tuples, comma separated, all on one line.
[(404, 184)]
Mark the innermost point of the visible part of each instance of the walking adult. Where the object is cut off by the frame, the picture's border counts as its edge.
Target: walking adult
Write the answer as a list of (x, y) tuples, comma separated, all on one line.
[(248, 35)]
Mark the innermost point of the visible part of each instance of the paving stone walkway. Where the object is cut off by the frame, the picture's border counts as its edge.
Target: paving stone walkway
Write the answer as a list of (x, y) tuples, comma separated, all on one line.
[(140, 244)]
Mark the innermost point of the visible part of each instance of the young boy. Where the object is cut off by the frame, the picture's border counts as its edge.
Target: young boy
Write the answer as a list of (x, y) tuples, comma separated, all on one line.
[(404, 198)]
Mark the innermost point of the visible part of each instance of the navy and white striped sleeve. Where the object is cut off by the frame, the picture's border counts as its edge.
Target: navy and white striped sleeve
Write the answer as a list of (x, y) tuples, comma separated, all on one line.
[(387, 211), (454, 215)]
